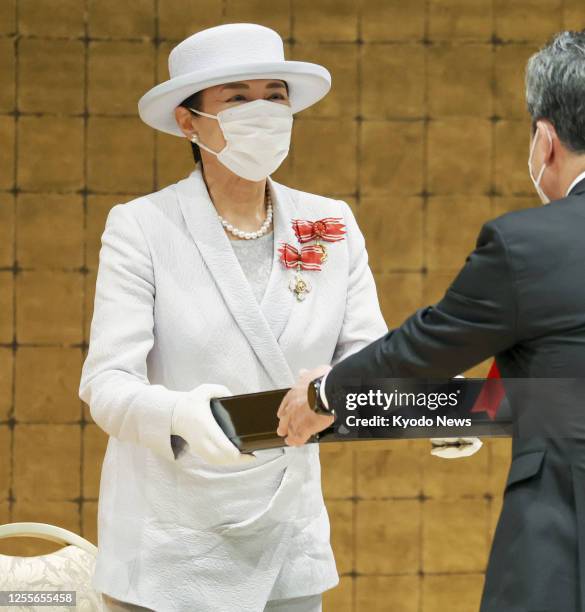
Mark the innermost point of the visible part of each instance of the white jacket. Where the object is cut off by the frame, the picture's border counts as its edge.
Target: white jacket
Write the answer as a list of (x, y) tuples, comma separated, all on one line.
[(173, 310)]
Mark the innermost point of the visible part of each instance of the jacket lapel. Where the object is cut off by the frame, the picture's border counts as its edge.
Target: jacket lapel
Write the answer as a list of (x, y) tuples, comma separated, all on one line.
[(261, 324), (278, 299)]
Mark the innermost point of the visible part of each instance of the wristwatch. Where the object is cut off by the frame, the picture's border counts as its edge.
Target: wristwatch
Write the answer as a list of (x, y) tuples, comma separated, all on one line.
[(315, 401)]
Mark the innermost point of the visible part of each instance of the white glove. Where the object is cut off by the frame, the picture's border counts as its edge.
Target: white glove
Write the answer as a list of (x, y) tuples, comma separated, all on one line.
[(454, 448), (193, 420)]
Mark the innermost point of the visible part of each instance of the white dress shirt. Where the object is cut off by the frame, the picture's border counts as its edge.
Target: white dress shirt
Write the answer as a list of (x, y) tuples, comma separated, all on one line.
[(578, 179)]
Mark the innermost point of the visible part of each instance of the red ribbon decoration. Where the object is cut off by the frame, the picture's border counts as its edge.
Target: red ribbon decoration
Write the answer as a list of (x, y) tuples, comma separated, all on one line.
[(309, 257), (328, 229), (492, 393)]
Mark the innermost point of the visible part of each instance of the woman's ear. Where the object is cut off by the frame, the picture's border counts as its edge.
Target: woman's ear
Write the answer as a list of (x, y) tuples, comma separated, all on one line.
[(185, 120)]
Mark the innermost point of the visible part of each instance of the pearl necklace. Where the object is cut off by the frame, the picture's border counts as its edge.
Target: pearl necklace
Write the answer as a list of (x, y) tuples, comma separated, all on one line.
[(251, 235)]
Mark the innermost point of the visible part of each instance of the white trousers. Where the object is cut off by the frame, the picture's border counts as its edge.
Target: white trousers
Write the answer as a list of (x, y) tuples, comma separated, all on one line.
[(312, 603), (116, 605)]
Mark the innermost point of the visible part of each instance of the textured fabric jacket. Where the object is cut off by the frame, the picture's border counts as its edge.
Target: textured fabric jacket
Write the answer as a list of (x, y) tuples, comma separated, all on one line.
[(174, 310)]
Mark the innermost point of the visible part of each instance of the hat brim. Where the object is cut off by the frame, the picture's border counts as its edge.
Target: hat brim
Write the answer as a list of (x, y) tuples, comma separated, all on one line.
[(307, 84)]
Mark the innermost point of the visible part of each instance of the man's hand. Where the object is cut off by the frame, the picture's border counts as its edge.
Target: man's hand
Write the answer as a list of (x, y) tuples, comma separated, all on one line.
[(297, 421)]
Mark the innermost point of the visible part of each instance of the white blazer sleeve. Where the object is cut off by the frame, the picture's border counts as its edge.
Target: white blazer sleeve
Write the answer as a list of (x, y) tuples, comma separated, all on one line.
[(363, 321), (114, 380)]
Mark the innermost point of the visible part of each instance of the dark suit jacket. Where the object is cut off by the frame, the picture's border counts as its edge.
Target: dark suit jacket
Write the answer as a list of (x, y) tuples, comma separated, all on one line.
[(521, 297)]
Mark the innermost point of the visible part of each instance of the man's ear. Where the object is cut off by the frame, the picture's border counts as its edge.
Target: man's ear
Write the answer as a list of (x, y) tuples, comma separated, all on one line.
[(549, 141)]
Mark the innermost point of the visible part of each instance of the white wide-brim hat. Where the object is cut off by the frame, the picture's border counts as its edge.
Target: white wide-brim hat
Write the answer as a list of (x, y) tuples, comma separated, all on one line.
[(225, 54)]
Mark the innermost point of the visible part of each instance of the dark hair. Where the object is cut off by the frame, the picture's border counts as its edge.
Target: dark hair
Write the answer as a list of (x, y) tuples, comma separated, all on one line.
[(555, 88), (194, 101)]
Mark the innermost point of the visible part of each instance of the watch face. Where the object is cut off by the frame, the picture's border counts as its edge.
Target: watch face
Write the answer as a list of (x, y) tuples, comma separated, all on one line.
[(312, 395), (317, 404)]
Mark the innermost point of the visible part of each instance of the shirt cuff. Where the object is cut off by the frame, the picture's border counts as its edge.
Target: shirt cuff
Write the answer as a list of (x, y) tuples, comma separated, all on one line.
[(322, 392)]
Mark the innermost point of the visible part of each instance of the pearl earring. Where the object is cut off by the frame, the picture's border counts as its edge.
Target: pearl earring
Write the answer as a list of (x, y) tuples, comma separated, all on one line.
[(194, 138)]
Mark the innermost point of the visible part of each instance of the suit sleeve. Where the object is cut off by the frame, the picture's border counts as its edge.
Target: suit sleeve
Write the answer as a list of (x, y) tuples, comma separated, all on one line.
[(363, 321), (476, 318), (114, 381)]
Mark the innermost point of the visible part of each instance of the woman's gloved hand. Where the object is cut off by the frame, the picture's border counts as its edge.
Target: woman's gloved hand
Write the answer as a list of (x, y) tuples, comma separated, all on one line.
[(454, 448), (193, 420)]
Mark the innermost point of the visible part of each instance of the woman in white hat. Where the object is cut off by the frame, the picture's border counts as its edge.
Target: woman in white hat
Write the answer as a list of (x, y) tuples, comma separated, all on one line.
[(224, 282)]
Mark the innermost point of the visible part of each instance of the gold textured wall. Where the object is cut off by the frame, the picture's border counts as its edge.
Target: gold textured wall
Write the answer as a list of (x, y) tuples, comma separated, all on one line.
[(424, 134)]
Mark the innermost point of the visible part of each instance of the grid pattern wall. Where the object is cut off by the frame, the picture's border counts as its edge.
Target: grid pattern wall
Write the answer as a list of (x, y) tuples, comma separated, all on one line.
[(424, 134)]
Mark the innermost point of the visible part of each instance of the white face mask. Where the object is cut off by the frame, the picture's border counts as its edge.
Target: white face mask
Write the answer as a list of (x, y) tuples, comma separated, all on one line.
[(536, 181), (257, 136)]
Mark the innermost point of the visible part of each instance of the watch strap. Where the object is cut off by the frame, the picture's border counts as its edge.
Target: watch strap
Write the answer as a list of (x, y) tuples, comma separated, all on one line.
[(316, 401)]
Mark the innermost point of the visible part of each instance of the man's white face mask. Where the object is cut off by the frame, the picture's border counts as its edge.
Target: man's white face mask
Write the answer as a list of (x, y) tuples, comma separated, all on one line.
[(536, 181), (257, 136)]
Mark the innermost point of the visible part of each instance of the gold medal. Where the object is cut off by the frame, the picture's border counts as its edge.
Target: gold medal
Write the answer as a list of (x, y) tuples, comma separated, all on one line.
[(299, 286)]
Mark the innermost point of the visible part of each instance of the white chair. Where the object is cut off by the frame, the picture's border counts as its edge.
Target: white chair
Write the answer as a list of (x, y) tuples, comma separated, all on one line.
[(68, 569)]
